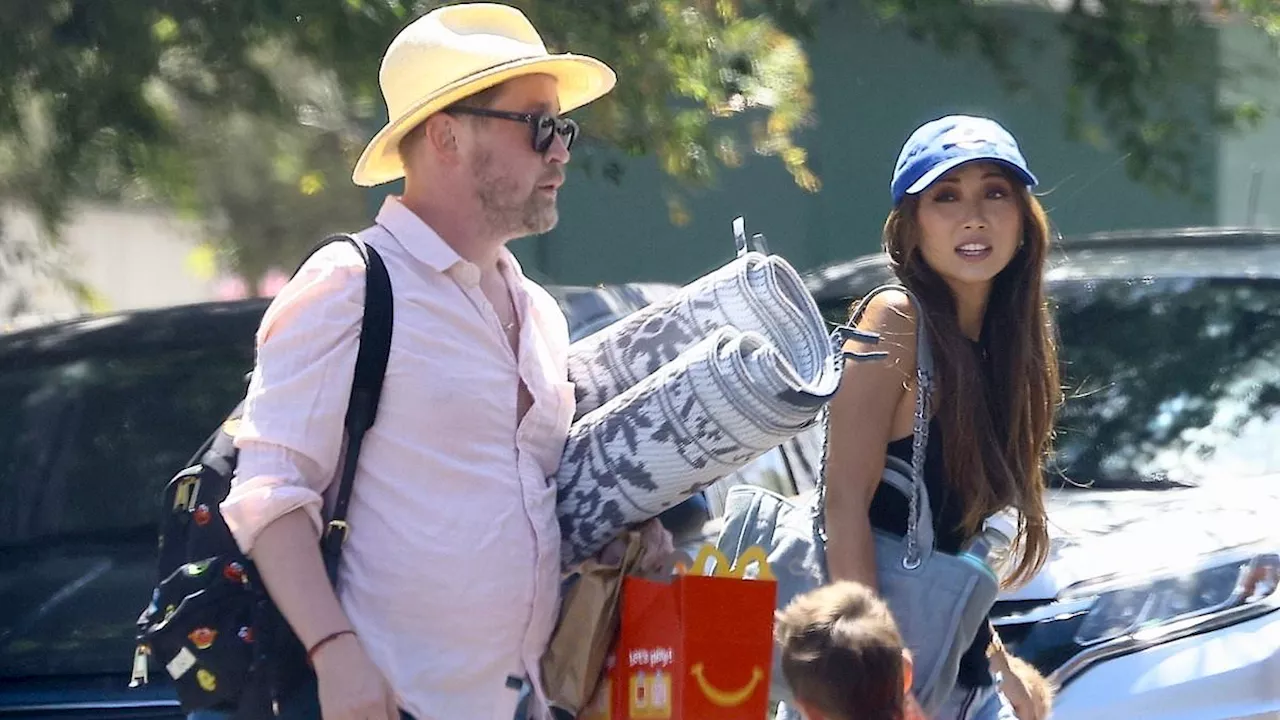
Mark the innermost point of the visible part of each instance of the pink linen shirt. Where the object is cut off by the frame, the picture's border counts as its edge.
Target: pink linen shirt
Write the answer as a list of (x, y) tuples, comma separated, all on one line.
[(451, 572)]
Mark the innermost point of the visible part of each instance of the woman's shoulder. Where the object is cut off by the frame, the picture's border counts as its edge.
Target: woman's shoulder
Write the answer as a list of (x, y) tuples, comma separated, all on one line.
[(891, 315), (889, 312)]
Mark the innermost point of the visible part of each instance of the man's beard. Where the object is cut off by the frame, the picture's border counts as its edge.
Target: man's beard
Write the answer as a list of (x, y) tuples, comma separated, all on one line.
[(505, 211)]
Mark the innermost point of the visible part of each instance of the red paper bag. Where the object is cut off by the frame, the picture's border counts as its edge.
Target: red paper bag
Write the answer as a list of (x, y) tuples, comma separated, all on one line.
[(695, 648)]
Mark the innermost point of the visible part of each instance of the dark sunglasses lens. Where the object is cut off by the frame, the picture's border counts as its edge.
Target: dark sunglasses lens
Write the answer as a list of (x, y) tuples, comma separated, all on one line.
[(547, 127), (568, 132), (544, 130)]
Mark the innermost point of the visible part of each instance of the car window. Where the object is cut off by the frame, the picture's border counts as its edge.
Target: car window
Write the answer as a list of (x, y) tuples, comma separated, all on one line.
[(86, 446), (588, 310), (787, 469), (1169, 381)]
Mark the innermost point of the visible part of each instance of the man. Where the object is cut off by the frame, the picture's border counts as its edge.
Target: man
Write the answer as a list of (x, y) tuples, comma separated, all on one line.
[(450, 577)]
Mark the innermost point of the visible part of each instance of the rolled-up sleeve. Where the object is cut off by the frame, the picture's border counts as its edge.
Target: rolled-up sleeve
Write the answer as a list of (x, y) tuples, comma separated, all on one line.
[(291, 434)]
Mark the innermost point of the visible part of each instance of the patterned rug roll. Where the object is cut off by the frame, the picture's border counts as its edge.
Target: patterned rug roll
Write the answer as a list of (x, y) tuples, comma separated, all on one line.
[(681, 394), (753, 293)]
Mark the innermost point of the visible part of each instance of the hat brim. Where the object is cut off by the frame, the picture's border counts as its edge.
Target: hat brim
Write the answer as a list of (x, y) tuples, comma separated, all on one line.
[(950, 164), (579, 80)]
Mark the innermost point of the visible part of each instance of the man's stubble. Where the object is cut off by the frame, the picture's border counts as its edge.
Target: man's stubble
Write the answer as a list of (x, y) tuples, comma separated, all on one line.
[(508, 209)]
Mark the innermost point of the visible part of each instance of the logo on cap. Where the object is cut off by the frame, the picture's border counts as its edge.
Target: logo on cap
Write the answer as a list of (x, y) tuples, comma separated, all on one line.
[(963, 138)]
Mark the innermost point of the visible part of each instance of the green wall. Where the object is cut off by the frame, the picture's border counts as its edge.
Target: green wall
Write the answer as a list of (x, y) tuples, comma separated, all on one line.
[(1248, 172)]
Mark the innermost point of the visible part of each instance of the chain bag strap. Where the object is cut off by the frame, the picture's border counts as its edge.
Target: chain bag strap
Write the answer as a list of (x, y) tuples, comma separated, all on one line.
[(920, 422)]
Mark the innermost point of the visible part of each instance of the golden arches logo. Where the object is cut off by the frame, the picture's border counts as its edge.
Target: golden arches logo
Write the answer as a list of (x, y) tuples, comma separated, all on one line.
[(727, 698), (754, 555)]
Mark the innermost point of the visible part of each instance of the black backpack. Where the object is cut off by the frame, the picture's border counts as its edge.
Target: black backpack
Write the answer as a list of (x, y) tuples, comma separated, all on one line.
[(211, 624)]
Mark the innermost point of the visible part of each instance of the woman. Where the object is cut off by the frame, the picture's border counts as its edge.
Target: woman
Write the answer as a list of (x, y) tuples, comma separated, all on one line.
[(968, 238)]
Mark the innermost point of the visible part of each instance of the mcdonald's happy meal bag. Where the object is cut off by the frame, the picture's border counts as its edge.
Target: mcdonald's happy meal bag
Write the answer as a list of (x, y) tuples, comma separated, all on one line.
[(697, 646)]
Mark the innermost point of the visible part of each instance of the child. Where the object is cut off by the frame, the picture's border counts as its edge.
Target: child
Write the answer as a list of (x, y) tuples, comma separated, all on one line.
[(843, 657)]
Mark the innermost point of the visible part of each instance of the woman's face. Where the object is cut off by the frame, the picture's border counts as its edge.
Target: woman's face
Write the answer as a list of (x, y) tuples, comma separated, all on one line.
[(970, 225)]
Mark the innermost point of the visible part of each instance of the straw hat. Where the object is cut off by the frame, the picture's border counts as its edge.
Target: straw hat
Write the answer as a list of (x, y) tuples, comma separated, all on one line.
[(456, 51)]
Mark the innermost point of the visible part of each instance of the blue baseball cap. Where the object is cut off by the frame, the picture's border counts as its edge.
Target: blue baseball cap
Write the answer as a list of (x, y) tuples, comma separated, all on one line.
[(943, 144)]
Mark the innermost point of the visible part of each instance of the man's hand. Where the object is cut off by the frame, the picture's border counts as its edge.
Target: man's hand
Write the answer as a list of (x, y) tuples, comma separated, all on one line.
[(351, 686), (659, 549)]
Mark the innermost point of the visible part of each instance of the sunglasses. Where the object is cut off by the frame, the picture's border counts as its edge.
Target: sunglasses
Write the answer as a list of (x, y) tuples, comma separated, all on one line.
[(545, 126)]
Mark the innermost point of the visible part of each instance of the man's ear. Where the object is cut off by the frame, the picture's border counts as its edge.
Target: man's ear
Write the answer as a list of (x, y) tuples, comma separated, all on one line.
[(908, 671), (440, 133)]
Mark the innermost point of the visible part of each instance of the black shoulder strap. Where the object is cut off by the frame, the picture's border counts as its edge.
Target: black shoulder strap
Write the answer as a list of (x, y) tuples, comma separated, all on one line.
[(366, 387)]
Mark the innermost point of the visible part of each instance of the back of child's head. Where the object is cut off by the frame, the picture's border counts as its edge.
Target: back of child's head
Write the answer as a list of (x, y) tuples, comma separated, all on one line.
[(842, 654)]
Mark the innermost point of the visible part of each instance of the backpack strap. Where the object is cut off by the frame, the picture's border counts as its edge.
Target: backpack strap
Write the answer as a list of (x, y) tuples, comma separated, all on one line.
[(366, 387)]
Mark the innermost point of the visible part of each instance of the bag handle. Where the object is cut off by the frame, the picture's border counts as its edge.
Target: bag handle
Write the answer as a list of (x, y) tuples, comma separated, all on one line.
[(920, 536), (366, 387)]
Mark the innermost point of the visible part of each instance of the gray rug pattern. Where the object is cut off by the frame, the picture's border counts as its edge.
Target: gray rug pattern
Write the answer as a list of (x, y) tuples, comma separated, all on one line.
[(685, 391)]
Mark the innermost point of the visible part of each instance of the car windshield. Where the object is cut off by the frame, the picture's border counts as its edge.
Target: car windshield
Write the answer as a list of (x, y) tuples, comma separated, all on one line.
[(1168, 380), (86, 444)]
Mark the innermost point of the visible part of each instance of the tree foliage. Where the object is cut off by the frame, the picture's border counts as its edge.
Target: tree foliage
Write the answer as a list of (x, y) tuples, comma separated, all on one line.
[(250, 113), (1132, 77)]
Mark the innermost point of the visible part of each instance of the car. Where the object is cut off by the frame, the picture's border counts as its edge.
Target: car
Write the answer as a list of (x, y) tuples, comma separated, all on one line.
[(99, 413), (1159, 598), (1158, 601)]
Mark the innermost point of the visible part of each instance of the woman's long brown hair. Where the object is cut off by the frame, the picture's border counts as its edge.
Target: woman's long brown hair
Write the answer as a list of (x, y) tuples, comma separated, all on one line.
[(998, 424)]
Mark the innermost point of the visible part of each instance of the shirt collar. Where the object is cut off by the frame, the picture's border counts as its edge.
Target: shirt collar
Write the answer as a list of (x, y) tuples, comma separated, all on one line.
[(426, 246), (417, 237)]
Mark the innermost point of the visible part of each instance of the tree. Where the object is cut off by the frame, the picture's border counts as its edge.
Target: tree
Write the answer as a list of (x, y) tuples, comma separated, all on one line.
[(1131, 77), (204, 105), (270, 186)]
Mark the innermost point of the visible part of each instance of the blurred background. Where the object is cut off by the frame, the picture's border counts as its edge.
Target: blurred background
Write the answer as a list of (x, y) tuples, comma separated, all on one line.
[(156, 152)]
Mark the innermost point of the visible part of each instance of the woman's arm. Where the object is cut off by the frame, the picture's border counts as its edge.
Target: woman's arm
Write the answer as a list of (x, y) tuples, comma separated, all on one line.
[(861, 424)]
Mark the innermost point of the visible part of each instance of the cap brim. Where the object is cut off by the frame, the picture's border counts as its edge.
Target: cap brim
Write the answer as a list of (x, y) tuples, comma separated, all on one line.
[(950, 164), (579, 80)]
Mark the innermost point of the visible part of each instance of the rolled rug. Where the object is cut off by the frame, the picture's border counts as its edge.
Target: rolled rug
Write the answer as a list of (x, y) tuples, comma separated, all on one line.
[(753, 293), (715, 407)]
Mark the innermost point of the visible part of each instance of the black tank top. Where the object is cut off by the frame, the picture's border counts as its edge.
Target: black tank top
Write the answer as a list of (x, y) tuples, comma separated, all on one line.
[(889, 513)]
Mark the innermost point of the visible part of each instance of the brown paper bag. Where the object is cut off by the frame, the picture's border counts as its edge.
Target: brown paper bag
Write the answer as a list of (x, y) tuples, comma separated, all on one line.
[(589, 617)]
